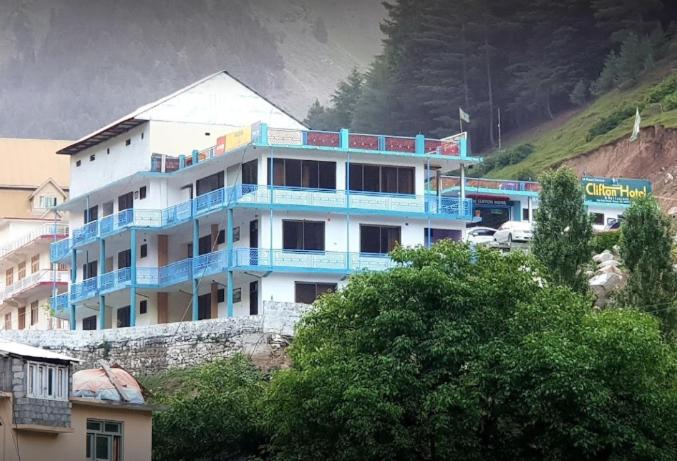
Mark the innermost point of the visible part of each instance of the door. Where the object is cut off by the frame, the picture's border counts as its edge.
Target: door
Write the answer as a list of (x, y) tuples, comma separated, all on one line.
[(204, 306), (254, 298), (254, 242), (125, 202), (124, 317)]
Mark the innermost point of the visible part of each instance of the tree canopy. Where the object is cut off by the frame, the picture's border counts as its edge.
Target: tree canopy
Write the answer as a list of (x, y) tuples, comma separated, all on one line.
[(471, 355), (530, 58)]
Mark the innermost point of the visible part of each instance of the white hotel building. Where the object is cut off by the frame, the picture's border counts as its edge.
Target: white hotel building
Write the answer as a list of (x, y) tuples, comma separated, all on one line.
[(213, 202)]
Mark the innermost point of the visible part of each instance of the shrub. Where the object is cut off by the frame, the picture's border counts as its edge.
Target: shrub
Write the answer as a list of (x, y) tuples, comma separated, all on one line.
[(611, 121), (605, 241), (659, 92)]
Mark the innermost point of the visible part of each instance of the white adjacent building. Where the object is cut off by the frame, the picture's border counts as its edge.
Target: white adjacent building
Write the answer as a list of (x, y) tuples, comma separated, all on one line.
[(213, 202)]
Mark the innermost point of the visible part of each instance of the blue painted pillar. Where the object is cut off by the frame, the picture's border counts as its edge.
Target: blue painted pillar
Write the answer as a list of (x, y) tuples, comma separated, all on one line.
[(419, 143), (344, 139), (102, 298), (74, 277), (230, 262), (347, 189), (132, 286), (196, 254)]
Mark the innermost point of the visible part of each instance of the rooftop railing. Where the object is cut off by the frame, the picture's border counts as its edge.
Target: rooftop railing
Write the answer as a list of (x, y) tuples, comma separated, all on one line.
[(480, 184), (44, 276)]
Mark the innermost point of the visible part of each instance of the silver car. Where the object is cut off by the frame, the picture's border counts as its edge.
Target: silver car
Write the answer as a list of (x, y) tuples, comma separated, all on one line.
[(480, 235), (514, 231)]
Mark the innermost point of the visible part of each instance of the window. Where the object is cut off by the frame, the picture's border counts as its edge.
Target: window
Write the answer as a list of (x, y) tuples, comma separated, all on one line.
[(379, 178), (21, 272), (91, 214), (250, 172), (236, 234), (204, 306), (124, 259), (237, 295), (142, 192), (143, 306), (525, 214), (143, 251), (126, 201), (107, 150), (107, 208), (92, 158), (205, 245), (220, 295), (123, 317), (46, 381), (308, 292), (89, 270), (8, 321), (22, 318), (35, 263), (34, 312), (128, 142), (254, 298), (597, 218), (302, 173), (221, 237), (303, 235), (104, 440), (89, 323), (209, 183), (441, 234), (47, 201), (78, 163), (9, 276), (378, 239)]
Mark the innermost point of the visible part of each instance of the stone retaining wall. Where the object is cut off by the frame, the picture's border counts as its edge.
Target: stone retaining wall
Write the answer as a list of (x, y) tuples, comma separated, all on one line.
[(151, 349)]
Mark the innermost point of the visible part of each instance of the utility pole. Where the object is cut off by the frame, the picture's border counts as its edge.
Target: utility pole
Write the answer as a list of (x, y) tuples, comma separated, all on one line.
[(499, 128)]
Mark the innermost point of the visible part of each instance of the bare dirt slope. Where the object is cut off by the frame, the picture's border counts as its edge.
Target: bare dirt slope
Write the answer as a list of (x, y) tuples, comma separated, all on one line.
[(653, 156)]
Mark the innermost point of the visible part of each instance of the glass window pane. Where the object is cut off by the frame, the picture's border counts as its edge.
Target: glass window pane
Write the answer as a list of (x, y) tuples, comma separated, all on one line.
[(389, 179), (250, 172), (93, 425), (305, 292), (292, 235), (327, 178), (390, 236), (370, 239), (112, 427), (310, 174), (324, 288), (405, 180), (313, 236), (102, 447), (88, 449), (292, 173), (278, 172), (355, 177), (371, 178)]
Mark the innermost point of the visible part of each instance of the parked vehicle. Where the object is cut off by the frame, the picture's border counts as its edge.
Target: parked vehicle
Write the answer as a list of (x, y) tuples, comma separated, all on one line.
[(613, 225), (480, 235), (514, 231)]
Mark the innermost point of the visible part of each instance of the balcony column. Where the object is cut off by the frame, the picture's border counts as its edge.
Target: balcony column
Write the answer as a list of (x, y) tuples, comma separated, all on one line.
[(461, 204), (196, 254), (74, 278), (132, 276), (229, 261), (347, 190), (102, 298), (272, 201), (531, 211)]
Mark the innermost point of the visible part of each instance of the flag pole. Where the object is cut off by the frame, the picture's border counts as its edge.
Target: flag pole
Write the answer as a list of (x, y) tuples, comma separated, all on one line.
[(499, 128)]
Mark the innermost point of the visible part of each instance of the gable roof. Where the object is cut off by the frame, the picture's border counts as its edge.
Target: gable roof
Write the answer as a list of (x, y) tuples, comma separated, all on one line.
[(51, 181), (145, 113), (24, 350)]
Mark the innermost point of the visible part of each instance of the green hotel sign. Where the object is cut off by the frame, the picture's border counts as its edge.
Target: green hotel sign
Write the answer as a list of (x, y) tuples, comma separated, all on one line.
[(614, 190)]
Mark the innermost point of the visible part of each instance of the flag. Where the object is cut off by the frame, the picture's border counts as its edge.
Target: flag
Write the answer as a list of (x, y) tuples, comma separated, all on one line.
[(463, 115), (635, 129)]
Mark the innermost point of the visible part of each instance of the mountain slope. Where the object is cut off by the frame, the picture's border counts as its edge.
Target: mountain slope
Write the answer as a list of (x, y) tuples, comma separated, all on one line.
[(69, 66)]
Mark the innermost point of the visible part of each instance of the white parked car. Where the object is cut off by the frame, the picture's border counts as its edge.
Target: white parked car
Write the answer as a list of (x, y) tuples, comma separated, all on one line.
[(480, 235), (514, 231)]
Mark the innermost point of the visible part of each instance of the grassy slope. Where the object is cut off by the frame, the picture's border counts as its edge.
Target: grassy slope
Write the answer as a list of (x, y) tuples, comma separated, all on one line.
[(555, 142)]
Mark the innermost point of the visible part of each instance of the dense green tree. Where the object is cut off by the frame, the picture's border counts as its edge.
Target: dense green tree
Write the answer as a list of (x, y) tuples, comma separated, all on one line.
[(563, 233), (213, 414), (466, 355), (646, 243)]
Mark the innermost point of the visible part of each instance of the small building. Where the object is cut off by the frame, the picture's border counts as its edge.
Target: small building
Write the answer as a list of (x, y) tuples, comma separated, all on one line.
[(33, 181), (41, 420)]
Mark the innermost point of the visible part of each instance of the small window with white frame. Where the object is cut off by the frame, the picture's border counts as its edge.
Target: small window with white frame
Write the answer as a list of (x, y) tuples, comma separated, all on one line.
[(104, 440), (47, 201), (47, 381)]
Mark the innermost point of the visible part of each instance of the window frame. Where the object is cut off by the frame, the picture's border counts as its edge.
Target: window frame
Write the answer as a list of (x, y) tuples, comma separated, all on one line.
[(35, 308), (316, 286), (39, 372), (381, 227), (378, 175), (312, 174), (303, 223), (91, 435), (35, 263)]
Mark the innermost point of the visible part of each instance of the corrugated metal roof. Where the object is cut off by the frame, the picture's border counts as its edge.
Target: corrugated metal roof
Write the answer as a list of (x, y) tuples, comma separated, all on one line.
[(24, 350)]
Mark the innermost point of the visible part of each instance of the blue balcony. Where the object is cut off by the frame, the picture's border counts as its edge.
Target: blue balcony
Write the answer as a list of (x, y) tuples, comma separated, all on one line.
[(176, 272), (211, 201), (59, 250), (115, 280), (83, 290), (177, 214), (312, 261), (59, 304), (210, 263)]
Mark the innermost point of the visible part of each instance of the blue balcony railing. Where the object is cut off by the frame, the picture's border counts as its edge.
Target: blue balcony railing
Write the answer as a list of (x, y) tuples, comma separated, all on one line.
[(59, 249), (209, 201), (115, 280), (83, 290), (59, 304), (210, 263), (250, 258), (176, 272), (176, 214)]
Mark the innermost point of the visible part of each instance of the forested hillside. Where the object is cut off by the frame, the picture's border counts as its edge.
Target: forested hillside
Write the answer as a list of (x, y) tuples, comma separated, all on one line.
[(529, 59)]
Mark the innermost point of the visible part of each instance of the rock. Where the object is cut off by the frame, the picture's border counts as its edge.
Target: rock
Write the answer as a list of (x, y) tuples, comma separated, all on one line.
[(668, 178), (606, 282), (608, 263), (673, 211), (606, 255), (609, 270)]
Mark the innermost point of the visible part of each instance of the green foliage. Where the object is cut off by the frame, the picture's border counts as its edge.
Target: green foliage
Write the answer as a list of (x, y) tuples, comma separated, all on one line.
[(646, 244), (505, 158), (213, 412), (605, 241), (563, 230), (662, 90), (462, 354), (611, 121), (344, 101), (636, 56), (579, 95)]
